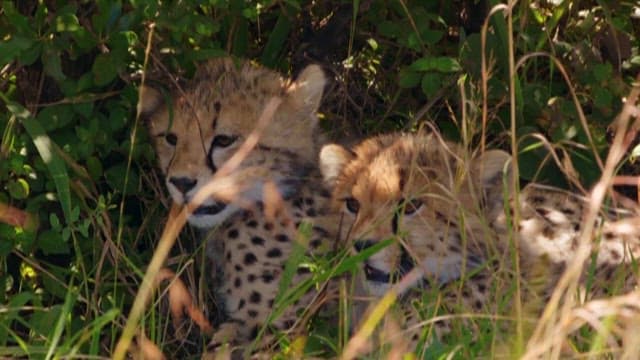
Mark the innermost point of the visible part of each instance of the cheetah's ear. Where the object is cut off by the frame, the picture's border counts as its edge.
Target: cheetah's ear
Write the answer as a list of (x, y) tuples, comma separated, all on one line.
[(492, 165), (491, 168), (333, 159), (306, 91), (149, 101)]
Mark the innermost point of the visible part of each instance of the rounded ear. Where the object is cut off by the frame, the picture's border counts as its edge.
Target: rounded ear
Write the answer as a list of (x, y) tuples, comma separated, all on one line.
[(149, 100), (492, 165), (333, 159), (306, 91), (490, 169)]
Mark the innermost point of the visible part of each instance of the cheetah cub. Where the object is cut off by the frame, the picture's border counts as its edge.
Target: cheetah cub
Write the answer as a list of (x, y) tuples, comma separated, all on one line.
[(445, 216), (196, 130)]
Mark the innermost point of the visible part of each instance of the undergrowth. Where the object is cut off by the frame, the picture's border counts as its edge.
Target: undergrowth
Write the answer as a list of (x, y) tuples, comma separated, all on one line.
[(82, 207)]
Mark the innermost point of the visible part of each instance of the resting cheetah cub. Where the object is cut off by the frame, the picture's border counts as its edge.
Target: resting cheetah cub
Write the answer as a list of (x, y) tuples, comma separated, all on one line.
[(197, 131), (446, 216)]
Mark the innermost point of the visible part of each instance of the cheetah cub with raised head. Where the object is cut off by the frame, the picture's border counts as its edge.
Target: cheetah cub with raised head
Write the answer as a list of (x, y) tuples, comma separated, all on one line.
[(445, 216), (196, 130)]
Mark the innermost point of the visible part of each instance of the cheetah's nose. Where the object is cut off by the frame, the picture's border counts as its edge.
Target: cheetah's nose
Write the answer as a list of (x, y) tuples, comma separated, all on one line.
[(183, 184), (361, 245)]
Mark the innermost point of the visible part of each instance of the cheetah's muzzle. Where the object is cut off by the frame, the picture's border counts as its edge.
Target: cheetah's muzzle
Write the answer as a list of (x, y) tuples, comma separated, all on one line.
[(375, 275), (210, 209)]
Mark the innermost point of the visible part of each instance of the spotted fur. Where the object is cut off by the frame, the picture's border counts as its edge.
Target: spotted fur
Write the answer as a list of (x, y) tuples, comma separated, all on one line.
[(273, 191), (444, 212)]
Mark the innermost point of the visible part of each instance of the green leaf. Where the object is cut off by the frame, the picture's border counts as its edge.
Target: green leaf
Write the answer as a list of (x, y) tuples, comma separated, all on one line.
[(602, 72), (52, 64), (46, 149), (408, 78), (15, 304), (51, 242), (18, 189), (94, 327), (442, 64), (602, 98), (13, 17), (431, 37), (84, 39), (84, 108), (94, 167), (55, 117), (431, 83), (83, 228), (67, 22), (104, 69), (75, 214), (66, 234), (389, 29), (277, 38), (241, 38), (66, 310), (106, 17), (13, 47), (6, 247), (54, 221), (116, 177), (30, 55), (414, 42), (41, 321)]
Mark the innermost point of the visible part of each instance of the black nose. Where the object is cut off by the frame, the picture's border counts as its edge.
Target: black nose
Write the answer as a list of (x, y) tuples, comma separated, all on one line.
[(360, 245), (183, 184)]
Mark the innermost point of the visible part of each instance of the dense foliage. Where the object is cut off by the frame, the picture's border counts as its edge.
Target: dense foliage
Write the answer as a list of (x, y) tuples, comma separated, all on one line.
[(74, 158)]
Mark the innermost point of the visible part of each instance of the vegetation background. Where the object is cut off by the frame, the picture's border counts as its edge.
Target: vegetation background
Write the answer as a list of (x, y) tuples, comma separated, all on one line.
[(81, 205)]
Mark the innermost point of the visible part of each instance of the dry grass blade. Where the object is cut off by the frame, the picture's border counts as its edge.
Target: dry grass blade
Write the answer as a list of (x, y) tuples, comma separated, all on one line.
[(358, 342), (178, 218), (485, 73), (16, 217), (181, 302), (218, 187), (551, 331), (175, 223), (146, 349)]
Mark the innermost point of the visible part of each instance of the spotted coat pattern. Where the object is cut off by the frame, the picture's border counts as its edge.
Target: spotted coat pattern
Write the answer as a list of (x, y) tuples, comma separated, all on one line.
[(444, 213), (255, 213)]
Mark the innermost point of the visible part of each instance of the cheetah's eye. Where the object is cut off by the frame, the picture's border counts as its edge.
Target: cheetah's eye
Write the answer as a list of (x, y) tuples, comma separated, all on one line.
[(410, 206), (171, 138), (223, 141), (352, 205)]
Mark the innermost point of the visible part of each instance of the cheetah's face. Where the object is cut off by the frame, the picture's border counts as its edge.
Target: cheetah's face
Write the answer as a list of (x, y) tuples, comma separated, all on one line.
[(411, 189), (202, 126)]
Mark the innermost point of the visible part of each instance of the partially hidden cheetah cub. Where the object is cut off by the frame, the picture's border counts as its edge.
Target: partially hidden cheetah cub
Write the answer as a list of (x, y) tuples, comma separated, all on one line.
[(445, 216), (276, 189)]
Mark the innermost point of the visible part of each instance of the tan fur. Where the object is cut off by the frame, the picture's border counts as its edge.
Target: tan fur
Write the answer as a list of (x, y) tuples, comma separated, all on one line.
[(389, 169), (278, 184), (461, 230), (227, 98)]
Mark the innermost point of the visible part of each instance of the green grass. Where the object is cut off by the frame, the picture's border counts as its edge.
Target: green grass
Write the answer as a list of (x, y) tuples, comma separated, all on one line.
[(96, 204)]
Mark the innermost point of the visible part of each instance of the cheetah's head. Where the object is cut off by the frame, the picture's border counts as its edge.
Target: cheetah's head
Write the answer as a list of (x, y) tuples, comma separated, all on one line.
[(416, 191), (197, 129)]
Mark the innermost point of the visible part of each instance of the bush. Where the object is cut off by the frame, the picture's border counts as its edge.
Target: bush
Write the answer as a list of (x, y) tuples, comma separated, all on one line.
[(75, 160)]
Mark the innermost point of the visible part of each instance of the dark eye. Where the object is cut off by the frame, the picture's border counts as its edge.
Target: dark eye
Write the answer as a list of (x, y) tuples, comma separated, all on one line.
[(223, 140), (352, 204), (171, 138), (410, 206)]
